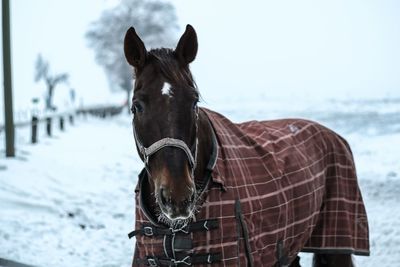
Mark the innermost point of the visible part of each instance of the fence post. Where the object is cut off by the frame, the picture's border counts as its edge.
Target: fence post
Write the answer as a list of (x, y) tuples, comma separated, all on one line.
[(8, 106), (34, 129), (61, 123), (48, 126)]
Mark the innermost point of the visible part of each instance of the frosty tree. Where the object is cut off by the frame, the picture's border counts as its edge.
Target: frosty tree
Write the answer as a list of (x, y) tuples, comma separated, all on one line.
[(156, 22), (51, 80)]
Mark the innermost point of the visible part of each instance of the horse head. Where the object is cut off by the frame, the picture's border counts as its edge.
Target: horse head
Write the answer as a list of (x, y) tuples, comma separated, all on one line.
[(165, 119)]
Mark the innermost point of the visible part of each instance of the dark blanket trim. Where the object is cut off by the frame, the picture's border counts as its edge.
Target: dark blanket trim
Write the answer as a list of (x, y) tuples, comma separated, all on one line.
[(336, 251), (243, 232)]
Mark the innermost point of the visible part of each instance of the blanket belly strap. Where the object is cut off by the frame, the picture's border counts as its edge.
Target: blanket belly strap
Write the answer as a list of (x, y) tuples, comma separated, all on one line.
[(187, 260), (151, 230), (177, 244)]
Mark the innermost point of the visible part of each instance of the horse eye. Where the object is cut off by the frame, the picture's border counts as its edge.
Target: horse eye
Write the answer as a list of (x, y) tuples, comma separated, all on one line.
[(137, 108)]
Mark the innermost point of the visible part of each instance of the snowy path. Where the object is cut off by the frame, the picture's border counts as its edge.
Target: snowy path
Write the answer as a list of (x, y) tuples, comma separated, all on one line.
[(68, 201)]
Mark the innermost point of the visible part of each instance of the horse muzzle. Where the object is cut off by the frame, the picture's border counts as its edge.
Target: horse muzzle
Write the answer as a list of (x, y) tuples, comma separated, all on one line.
[(176, 208)]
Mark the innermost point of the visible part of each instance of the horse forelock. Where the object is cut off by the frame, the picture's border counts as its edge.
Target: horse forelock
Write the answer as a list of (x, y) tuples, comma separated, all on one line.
[(165, 61)]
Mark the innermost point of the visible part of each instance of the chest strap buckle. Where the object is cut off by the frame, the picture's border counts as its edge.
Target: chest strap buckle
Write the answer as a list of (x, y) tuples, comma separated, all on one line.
[(148, 231)]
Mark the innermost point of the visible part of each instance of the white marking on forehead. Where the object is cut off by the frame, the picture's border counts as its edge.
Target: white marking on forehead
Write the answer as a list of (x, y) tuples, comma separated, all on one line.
[(166, 89)]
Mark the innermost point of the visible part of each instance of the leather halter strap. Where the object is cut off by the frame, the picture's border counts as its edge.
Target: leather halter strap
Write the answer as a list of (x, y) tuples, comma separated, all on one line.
[(165, 142)]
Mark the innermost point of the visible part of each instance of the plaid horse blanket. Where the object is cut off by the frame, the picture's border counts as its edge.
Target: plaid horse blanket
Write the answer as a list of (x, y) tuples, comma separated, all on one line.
[(276, 188)]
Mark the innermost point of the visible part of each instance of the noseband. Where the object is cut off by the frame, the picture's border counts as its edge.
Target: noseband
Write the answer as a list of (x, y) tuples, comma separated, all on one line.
[(146, 152)]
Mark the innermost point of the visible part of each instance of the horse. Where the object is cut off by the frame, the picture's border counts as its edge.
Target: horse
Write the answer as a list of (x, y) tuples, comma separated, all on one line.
[(217, 193)]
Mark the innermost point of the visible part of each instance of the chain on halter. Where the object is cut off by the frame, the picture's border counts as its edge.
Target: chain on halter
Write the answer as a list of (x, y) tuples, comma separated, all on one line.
[(146, 152)]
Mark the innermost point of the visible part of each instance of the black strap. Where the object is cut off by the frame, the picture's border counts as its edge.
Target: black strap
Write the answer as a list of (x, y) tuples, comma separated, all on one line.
[(281, 255), (203, 225), (188, 260), (182, 243), (176, 246), (209, 258), (245, 232), (151, 230)]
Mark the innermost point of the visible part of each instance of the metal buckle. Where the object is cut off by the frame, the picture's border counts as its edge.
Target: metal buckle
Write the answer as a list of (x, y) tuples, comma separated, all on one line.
[(148, 231), (180, 229), (152, 262), (186, 260), (205, 225)]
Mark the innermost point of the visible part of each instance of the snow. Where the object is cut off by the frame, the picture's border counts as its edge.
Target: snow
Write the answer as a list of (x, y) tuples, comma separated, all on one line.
[(69, 199)]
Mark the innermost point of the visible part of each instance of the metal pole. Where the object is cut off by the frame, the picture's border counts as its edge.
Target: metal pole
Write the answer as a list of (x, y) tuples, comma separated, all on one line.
[(61, 123), (34, 127), (48, 126), (8, 106)]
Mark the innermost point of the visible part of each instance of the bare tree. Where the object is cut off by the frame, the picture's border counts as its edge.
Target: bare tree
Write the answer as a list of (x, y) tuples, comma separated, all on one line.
[(156, 22), (51, 80)]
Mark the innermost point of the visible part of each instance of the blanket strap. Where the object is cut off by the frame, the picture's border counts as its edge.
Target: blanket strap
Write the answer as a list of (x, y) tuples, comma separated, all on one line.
[(151, 230), (177, 244), (188, 260), (243, 231)]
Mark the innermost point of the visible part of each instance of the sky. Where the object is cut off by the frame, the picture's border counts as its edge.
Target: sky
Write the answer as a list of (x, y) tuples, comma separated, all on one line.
[(274, 49)]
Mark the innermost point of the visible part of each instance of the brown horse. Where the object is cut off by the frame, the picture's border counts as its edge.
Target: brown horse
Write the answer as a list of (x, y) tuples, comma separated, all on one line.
[(198, 195)]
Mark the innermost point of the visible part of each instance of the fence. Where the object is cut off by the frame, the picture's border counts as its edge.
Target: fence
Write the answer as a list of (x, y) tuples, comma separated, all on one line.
[(61, 118)]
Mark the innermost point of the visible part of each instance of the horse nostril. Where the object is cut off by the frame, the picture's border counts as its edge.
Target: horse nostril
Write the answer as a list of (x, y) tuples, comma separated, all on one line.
[(163, 196), (189, 200)]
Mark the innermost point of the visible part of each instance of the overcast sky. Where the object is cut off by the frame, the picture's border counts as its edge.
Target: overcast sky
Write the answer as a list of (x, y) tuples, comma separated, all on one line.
[(275, 48)]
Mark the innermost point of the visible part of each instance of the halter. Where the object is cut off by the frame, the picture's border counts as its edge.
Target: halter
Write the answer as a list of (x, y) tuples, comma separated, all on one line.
[(146, 152)]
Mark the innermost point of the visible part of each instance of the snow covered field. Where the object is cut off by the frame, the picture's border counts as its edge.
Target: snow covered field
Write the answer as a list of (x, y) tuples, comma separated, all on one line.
[(68, 201)]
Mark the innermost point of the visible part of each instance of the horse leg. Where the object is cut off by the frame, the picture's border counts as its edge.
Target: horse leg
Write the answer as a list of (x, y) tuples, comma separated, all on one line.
[(332, 260)]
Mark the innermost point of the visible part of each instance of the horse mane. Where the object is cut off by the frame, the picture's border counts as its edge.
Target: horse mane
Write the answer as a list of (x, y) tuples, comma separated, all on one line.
[(165, 61)]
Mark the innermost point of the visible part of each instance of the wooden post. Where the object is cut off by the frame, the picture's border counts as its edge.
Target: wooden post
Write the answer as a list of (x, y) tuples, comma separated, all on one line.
[(35, 121), (48, 126), (61, 123), (8, 105)]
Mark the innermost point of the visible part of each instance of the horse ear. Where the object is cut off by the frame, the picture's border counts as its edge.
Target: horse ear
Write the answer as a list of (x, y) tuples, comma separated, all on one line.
[(135, 51), (186, 49)]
